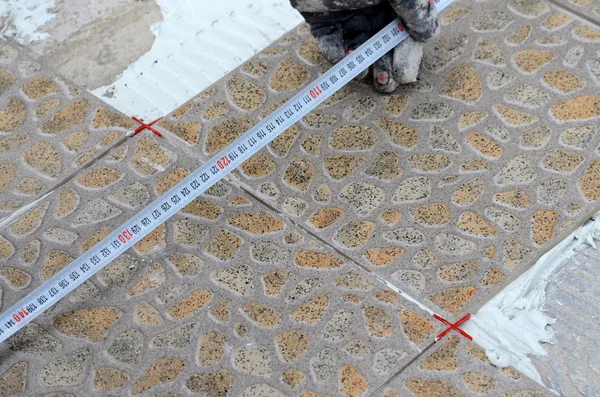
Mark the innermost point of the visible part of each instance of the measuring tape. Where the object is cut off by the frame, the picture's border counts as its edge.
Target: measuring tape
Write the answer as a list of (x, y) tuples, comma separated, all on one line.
[(167, 205)]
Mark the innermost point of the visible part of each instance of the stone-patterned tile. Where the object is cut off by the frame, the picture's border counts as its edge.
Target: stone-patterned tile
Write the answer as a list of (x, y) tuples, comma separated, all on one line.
[(444, 189), (225, 298), (49, 129), (468, 165), (455, 367)]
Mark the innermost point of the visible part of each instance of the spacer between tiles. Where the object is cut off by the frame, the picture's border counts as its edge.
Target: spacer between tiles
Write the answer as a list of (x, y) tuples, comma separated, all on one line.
[(145, 126), (454, 326)]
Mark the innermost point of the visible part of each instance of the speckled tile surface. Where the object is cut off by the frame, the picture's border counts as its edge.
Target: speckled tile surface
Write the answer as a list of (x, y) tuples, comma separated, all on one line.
[(226, 298), (48, 128), (449, 186), (445, 189), (456, 367)]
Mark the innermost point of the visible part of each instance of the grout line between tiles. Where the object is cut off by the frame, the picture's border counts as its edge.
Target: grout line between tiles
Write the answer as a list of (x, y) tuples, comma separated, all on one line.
[(574, 12), (338, 251), (18, 214), (380, 279), (402, 369), (228, 179)]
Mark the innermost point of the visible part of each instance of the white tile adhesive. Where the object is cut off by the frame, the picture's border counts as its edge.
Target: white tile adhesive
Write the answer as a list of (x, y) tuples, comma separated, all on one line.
[(194, 47), (512, 326), (21, 19)]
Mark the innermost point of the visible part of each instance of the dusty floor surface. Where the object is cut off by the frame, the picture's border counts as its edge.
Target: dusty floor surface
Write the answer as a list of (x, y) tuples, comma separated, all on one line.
[(93, 42), (443, 190)]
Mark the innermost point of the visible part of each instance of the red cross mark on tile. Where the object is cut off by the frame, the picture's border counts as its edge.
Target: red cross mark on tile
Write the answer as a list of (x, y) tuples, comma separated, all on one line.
[(453, 326), (143, 126)]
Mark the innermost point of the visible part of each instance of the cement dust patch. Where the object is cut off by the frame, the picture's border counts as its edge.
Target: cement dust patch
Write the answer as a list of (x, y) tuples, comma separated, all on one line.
[(91, 43), (98, 52), (194, 47), (22, 19), (70, 16)]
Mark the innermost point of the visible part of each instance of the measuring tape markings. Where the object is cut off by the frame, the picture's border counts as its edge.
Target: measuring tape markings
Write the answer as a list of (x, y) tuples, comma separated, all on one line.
[(168, 204)]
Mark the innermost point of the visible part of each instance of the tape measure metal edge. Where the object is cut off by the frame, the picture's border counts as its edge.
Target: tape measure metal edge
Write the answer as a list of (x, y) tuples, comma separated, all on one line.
[(167, 205)]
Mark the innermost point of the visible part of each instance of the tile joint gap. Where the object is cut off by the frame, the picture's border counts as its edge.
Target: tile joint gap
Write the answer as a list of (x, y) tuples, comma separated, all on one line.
[(402, 369), (19, 213), (378, 278), (574, 12), (381, 280), (230, 180)]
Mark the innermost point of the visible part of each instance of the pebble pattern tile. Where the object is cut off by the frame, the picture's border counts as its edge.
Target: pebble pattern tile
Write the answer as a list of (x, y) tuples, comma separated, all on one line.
[(489, 159), (48, 129), (444, 189), (226, 299), (456, 367)]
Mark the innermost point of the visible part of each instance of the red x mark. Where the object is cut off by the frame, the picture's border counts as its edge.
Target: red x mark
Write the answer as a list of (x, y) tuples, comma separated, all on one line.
[(453, 326), (145, 126)]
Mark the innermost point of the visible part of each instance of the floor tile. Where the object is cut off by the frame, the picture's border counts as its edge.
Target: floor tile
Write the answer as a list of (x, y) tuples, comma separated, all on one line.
[(456, 367), (588, 8), (445, 189), (225, 296), (49, 128), (451, 185)]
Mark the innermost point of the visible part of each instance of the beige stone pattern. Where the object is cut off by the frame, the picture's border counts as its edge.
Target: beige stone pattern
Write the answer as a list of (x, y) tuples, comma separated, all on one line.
[(107, 378), (544, 225), (352, 382), (191, 303), (262, 315), (312, 311), (92, 324), (164, 370), (463, 83), (579, 108)]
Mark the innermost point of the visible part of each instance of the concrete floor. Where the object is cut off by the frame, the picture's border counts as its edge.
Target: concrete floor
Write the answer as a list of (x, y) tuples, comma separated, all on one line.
[(572, 366), (94, 42)]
